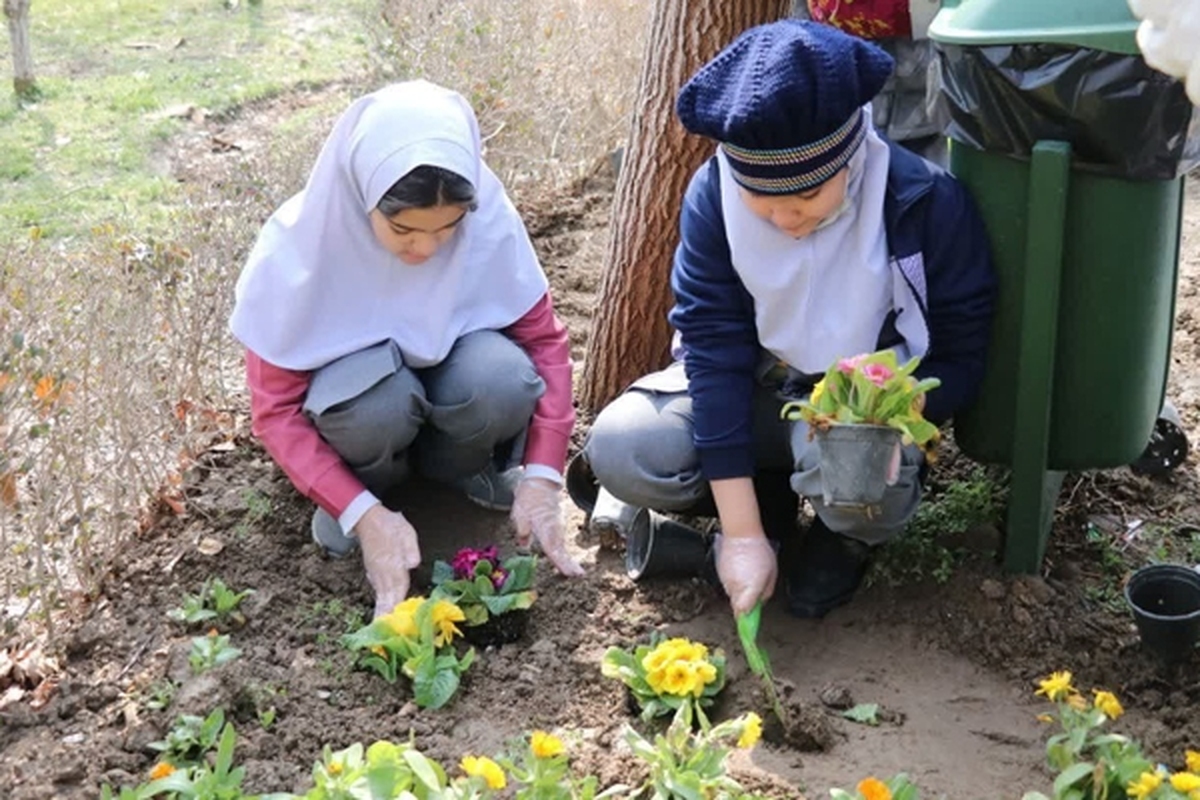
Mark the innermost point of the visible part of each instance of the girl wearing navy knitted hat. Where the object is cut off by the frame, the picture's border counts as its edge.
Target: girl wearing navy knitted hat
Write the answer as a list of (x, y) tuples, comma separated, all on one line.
[(806, 238), (396, 319)]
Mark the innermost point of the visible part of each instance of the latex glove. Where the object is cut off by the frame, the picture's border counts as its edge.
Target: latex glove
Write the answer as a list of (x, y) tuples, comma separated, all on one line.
[(389, 551), (747, 569), (537, 514)]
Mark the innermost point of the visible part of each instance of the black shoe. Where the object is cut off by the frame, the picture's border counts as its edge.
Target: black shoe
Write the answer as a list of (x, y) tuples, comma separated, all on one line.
[(823, 572)]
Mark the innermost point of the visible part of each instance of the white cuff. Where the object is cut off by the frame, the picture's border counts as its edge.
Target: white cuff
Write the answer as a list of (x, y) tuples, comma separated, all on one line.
[(354, 512), (543, 471)]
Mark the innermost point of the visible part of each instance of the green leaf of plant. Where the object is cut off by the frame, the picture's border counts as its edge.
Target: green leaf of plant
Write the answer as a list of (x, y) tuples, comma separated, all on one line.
[(442, 573), (422, 767), (521, 571), (864, 713), (1072, 775)]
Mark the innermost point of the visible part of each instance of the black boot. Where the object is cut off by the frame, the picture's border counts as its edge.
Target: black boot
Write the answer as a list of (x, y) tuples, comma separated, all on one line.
[(823, 571)]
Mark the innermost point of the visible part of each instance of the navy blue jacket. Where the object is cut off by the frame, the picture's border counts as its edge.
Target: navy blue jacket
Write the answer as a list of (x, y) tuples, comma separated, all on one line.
[(936, 241)]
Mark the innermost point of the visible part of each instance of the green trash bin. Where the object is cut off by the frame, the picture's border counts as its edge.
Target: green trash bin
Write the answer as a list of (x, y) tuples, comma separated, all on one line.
[(1073, 150)]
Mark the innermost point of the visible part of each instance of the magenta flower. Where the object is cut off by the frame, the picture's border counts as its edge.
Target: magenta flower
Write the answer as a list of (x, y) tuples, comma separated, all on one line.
[(464, 560), (499, 576), (877, 374), (847, 366)]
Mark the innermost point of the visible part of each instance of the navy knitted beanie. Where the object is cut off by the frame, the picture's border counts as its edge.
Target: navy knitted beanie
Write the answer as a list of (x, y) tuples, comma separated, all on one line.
[(785, 100)]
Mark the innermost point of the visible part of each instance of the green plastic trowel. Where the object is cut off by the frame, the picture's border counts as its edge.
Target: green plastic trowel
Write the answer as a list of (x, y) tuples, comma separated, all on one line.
[(756, 658)]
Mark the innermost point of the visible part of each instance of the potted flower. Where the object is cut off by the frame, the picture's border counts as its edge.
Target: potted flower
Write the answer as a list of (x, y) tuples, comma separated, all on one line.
[(859, 413), (494, 595), (664, 675)]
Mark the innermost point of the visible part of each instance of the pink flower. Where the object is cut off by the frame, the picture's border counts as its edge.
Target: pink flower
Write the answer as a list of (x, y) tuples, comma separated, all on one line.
[(847, 366), (464, 560), (877, 374)]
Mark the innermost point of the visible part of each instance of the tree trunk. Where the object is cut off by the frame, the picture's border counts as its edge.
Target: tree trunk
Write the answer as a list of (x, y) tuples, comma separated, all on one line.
[(17, 12), (630, 335)]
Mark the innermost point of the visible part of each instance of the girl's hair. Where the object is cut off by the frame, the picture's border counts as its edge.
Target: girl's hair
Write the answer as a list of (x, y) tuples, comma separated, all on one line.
[(426, 187)]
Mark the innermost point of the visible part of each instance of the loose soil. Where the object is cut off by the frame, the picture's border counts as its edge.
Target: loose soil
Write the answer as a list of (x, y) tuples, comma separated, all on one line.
[(952, 666)]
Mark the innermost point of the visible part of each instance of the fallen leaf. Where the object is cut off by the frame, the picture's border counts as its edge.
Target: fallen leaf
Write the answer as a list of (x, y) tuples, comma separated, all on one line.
[(43, 693), (8, 489), (865, 713), (210, 545), (223, 447)]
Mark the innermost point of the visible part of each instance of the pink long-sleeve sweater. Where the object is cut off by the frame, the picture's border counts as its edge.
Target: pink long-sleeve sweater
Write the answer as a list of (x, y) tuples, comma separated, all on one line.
[(319, 473)]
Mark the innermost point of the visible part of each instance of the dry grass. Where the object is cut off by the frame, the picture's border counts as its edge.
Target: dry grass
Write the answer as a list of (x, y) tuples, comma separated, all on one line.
[(116, 366), (553, 82)]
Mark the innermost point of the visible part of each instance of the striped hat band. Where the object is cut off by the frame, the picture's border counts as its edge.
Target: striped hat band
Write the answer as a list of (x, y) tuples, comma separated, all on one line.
[(796, 169)]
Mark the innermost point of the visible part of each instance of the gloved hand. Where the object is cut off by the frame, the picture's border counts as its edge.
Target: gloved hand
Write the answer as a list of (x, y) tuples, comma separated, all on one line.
[(747, 568), (389, 550), (537, 513)]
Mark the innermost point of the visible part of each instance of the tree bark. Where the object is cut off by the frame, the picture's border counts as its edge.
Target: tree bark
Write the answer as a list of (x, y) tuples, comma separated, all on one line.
[(630, 335), (17, 12)]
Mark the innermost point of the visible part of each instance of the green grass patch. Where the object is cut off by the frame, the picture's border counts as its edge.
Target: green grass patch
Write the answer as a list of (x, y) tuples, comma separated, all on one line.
[(91, 149), (921, 552)]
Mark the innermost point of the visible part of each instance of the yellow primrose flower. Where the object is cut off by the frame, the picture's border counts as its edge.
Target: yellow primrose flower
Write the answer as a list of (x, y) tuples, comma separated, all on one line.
[(1144, 786), (874, 789), (444, 615), (679, 679), (546, 745), (403, 618), (1193, 761), (1056, 687), (1077, 702), (657, 659), (1185, 782), (484, 767), (751, 733), (161, 770), (1109, 704), (335, 768), (706, 673)]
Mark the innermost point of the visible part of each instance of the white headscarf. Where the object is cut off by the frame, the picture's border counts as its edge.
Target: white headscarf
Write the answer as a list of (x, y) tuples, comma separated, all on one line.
[(825, 296), (318, 286)]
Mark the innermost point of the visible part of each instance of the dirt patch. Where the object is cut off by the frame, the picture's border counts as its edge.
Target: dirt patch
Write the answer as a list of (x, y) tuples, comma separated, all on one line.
[(949, 666)]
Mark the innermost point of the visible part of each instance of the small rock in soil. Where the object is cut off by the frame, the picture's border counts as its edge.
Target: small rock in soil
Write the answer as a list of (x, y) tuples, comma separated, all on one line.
[(1036, 590), (541, 646), (73, 770), (407, 710), (198, 694), (1022, 616), (836, 697), (993, 589), (99, 696)]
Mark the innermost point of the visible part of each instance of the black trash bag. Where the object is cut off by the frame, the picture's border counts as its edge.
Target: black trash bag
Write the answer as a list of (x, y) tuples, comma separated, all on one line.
[(1122, 118)]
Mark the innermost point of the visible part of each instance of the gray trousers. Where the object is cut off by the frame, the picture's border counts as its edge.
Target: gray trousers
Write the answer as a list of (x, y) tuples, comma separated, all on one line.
[(380, 415), (640, 449)]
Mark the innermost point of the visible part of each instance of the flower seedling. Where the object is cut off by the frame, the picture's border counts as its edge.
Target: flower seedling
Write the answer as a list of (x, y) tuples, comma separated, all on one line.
[(211, 651), (190, 738), (416, 639), (541, 771), (1091, 763), (687, 763), (667, 675), (384, 769), (756, 658), (483, 586), (898, 788), (870, 389), (215, 601)]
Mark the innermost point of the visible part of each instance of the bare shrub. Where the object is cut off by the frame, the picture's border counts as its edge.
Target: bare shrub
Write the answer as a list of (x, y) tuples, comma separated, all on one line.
[(116, 370), (553, 82)]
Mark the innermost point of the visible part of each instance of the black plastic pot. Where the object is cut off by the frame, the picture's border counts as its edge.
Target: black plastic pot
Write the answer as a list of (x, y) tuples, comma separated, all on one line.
[(658, 546), (1165, 599), (582, 486)]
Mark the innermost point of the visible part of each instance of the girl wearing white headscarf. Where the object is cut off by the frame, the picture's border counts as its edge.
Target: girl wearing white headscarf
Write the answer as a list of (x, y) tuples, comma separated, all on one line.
[(395, 317), (806, 239)]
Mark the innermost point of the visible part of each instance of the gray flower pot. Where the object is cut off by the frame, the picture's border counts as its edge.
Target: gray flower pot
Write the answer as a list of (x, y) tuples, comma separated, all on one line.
[(854, 463)]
